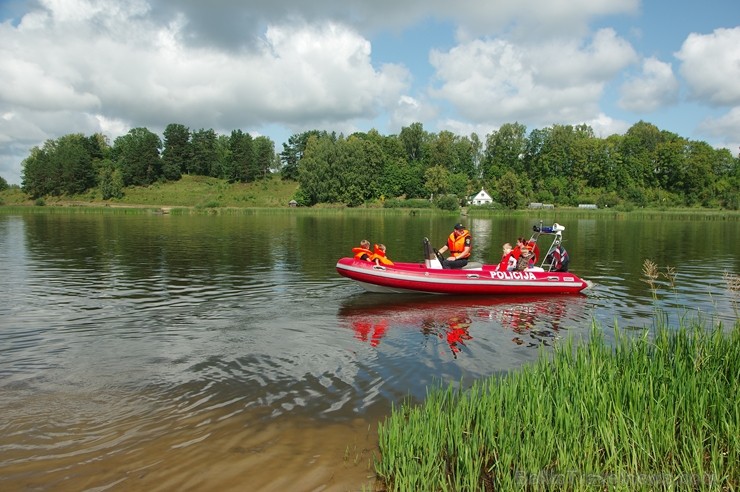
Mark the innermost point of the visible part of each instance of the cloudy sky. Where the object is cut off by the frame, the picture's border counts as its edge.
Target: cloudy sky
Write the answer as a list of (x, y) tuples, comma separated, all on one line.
[(279, 67)]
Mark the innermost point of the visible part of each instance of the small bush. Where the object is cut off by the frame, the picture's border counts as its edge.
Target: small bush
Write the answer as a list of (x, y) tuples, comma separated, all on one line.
[(447, 202), (209, 204), (607, 200), (410, 203)]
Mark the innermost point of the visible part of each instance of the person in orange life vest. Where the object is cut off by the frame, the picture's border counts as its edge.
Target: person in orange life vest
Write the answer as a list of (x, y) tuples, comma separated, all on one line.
[(526, 259), (459, 243), (379, 256), (508, 262), (363, 252)]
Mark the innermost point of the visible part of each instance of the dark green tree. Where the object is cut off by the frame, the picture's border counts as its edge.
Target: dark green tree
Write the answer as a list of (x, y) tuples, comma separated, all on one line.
[(136, 154), (504, 151), (466, 157), (361, 166), (698, 177), (205, 160), (264, 155), (72, 157), (177, 155), (442, 152), (437, 180), (110, 180), (317, 176), (415, 142), (401, 178), (510, 190), (241, 157), (670, 163), (638, 154), (223, 156), (64, 165), (293, 152), (37, 175)]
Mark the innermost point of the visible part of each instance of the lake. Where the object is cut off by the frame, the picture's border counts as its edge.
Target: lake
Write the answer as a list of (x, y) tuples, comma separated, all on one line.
[(161, 352)]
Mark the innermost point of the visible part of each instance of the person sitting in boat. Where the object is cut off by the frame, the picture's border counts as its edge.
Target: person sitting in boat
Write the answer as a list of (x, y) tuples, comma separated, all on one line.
[(379, 256), (526, 258), (520, 241), (459, 244), (558, 259), (363, 252), (508, 262)]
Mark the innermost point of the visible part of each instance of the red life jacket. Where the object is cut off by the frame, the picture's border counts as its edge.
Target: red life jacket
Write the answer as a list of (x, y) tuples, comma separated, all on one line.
[(504, 265), (535, 250)]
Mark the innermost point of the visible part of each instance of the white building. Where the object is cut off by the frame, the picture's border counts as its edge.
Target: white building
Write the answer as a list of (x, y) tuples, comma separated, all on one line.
[(482, 198)]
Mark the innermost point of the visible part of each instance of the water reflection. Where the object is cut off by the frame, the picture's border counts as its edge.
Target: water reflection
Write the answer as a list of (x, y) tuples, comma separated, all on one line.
[(528, 321), (455, 330)]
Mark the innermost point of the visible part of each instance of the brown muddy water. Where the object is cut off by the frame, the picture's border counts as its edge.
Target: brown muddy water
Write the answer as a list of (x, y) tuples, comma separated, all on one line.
[(225, 353)]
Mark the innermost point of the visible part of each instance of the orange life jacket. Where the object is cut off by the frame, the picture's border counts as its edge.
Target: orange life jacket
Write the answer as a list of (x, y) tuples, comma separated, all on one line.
[(380, 256), (456, 244), (359, 252)]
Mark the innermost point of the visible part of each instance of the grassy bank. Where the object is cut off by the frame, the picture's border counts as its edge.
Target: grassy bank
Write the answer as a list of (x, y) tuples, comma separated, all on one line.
[(560, 213), (190, 191), (648, 413), (200, 194)]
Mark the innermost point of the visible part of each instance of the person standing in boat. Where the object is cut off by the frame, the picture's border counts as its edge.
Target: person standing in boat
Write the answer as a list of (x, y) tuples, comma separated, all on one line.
[(363, 252), (459, 245)]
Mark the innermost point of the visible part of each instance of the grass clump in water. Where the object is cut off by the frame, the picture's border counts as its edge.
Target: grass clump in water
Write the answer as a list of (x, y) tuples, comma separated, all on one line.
[(658, 413)]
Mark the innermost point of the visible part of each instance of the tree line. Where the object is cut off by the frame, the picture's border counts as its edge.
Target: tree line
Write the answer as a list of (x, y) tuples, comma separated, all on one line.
[(561, 164), (74, 163)]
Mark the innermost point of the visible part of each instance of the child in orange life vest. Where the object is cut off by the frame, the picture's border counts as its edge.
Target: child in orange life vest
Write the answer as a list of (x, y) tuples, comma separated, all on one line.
[(379, 256), (363, 252)]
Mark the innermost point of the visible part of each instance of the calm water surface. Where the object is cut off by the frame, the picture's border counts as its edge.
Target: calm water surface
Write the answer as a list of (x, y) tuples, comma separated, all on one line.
[(225, 353)]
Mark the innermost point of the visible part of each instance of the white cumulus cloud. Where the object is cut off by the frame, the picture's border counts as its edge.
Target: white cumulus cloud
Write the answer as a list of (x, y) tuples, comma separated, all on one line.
[(710, 63), (654, 88), (557, 81)]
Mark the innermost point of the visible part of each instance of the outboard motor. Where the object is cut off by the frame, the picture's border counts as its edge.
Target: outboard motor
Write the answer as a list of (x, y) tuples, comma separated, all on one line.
[(432, 258)]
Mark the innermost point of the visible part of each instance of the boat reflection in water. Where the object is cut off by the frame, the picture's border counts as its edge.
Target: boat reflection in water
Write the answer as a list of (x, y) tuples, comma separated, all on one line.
[(533, 321)]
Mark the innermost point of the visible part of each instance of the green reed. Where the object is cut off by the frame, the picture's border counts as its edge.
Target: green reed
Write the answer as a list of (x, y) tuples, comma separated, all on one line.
[(656, 412)]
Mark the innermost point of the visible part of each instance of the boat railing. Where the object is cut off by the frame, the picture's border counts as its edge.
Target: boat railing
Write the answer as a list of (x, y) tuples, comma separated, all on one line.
[(556, 231)]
